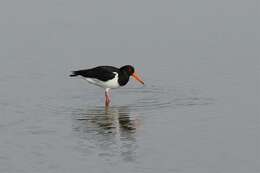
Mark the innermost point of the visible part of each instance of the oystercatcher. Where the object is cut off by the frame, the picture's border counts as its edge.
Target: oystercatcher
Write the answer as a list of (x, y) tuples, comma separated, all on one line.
[(108, 77)]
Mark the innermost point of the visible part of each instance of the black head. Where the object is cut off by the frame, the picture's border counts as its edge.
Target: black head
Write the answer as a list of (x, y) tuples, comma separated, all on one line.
[(128, 69)]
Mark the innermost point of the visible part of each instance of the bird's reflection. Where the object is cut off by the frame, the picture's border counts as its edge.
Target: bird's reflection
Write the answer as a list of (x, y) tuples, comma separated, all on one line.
[(111, 130)]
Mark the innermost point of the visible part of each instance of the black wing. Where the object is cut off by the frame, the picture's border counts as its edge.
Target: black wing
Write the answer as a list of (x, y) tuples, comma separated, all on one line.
[(103, 73)]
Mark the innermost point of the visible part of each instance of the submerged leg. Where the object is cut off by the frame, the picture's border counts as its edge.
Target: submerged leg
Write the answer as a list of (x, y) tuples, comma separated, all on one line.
[(108, 100)]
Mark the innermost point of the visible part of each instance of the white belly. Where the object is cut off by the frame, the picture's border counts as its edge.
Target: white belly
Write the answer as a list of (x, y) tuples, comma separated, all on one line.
[(113, 83)]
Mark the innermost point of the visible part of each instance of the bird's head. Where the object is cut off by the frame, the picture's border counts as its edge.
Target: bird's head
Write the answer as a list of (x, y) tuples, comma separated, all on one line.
[(130, 70)]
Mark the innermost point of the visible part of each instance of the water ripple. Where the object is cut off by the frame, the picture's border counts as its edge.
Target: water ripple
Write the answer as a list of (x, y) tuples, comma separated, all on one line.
[(151, 98)]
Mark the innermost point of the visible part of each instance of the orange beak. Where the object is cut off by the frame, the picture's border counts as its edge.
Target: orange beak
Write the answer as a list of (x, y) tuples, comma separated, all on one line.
[(136, 77)]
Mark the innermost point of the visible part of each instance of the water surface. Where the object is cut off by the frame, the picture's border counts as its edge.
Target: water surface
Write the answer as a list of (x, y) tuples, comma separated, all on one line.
[(199, 109)]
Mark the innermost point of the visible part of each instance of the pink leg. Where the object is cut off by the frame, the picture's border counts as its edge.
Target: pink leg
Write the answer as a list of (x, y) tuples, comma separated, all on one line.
[(108, 100)]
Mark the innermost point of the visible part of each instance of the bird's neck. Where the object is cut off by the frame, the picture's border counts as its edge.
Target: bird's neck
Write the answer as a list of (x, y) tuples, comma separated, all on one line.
[(123, 78)]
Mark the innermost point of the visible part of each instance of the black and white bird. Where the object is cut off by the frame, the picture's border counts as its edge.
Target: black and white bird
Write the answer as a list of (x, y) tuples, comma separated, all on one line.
[(108, 77)]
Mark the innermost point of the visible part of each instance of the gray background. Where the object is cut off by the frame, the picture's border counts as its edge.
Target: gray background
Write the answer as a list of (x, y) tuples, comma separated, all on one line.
[(199, 110)]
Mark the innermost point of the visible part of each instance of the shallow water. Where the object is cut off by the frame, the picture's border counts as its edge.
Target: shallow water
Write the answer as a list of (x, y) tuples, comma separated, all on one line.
[(198, 112)]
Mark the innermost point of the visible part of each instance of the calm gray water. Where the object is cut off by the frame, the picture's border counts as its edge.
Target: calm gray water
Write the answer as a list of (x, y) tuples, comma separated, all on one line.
[(198, 112)]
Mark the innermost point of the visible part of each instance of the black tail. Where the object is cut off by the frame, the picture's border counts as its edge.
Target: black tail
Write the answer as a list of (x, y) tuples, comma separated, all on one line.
[(73, 74)]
